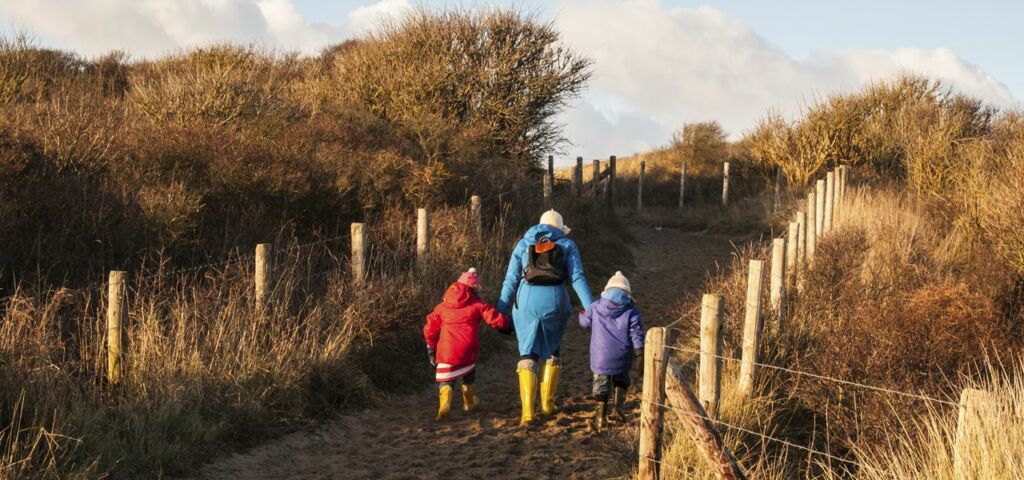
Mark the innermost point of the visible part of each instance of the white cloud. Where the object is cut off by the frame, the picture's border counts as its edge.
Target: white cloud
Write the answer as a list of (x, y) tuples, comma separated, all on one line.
[(658, 67), (146, 28)]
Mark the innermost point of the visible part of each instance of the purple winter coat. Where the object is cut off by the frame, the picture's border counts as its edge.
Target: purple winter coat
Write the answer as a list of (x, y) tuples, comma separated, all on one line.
[(616, 332)]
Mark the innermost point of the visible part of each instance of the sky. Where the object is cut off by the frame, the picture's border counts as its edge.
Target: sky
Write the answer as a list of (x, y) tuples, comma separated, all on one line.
[(658, 63)]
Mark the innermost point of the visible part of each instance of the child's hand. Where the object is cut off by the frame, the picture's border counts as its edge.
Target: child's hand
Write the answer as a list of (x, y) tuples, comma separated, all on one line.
[(432, 357)]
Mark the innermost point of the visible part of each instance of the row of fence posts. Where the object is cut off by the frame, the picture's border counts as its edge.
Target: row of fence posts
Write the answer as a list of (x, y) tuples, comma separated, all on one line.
[(826, 204), (608, 179), (117, 298)]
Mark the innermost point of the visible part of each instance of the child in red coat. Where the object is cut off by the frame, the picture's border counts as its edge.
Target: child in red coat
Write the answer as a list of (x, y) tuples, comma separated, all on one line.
[(452, 332)]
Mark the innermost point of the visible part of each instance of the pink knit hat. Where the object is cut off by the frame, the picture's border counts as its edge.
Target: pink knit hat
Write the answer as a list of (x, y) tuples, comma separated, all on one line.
[(470, 279)]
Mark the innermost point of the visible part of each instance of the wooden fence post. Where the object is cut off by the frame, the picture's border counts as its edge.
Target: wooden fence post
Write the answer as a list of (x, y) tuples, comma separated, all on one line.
[(640, 187), (830, 198), (777, 285), (801, 243), (778, 189), (792, 241), (358, 254), (597, 173), (819, 210), (263, 274), (725, 184), (547, 191), (422, 238), (611, 182), (751, 325), (682, 185), (697, 423), (476, 216), (811, 235), (710, 371), (653, 396), (117, 317), (577, 177), (977, 409)]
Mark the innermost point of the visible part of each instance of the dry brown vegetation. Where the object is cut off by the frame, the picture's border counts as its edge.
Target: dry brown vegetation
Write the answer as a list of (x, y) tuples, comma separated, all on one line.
[(152, 165), (918, 289)]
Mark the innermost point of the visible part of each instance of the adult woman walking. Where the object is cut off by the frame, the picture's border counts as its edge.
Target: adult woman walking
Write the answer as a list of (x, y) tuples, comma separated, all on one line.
[(535, 292)]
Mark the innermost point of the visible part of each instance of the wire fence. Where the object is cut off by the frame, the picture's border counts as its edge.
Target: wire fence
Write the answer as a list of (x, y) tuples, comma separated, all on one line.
[(770, 438)]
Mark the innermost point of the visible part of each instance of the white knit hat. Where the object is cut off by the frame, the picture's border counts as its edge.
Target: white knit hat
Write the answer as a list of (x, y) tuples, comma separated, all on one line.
[(618, 281), (553, 218)]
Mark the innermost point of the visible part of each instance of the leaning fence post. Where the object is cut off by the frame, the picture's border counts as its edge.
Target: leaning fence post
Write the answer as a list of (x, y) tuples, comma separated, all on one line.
[(751, 325), (263, 275), (640, 187), (725, 184), (117, 317), (710, 370), (977, 408), (830, 198), (358, 254), (422, 238), (777, 288), (682, 185), (697, 423), (812, 233), (819, 210), (653, 397)]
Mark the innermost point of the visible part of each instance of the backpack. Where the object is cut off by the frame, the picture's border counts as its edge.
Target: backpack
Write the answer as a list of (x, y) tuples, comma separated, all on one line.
[(547, 264)]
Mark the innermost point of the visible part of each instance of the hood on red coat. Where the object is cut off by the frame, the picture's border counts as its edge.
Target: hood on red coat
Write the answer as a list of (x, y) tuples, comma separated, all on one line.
[(458, 295)]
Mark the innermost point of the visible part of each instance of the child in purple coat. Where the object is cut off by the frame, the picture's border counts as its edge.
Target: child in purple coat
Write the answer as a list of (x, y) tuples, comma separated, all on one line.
[(616, 337)]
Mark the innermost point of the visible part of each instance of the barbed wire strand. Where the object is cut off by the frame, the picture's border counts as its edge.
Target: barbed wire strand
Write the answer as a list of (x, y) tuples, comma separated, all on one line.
[(777, 440), (822, 377)]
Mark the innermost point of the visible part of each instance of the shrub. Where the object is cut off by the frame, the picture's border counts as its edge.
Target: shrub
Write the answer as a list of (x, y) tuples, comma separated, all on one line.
[(495, 75)]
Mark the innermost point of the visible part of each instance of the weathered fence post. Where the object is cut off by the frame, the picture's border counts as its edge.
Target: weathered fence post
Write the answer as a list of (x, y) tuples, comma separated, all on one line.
[(977, 408), (697, 423), (611, 183), (751, 325), (359, 254), (653, 397), (778, 189), (725, 184), (597, 173), (422, 238), (476, 216), (777, 284), (640, 187), (819, 210), (792, 241), (117, 317), (830, 198), (577, 177), (801, 243), (710, 371), (547, 191), (263, 274), (811, 235), (682, 185)]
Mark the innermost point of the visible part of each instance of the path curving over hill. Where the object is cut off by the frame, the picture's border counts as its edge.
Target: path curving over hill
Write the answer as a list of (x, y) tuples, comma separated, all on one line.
[(400, 439)]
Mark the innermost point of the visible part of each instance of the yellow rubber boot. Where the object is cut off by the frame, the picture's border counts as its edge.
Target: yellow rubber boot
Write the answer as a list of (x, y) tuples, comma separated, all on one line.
[(548, 385), (469, 399), (527, 393), (445, 399)]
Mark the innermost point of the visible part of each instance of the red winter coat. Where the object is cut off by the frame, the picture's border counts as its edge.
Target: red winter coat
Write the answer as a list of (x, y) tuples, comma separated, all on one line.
[(453, 328)]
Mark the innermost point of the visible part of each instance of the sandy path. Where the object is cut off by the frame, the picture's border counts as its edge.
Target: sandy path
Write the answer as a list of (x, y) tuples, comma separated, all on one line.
[(401, 440)]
